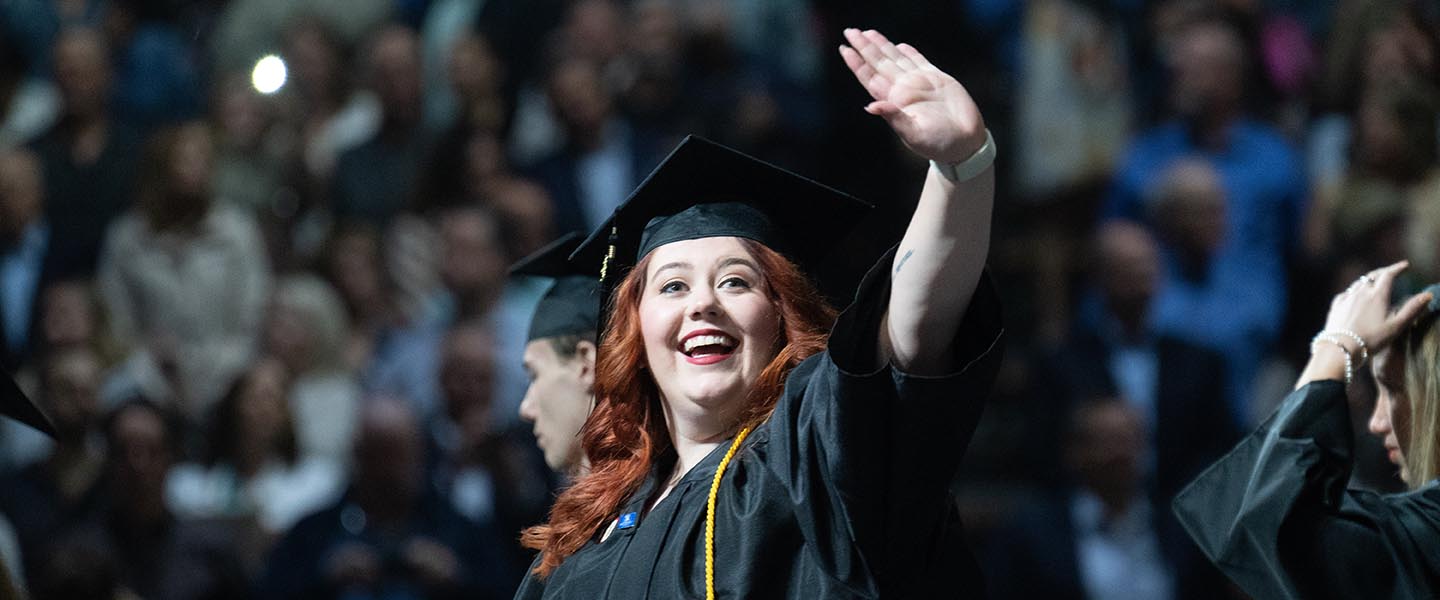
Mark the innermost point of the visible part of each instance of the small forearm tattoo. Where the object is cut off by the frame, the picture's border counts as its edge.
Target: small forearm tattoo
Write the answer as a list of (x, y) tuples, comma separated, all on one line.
[(901, 264)]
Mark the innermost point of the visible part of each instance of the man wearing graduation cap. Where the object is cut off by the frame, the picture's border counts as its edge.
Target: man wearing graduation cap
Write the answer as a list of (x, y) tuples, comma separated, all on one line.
[(745, 441), (560, 353)]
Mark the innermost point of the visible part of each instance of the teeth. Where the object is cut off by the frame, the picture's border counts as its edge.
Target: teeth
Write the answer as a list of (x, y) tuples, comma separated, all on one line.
[(708, 340)]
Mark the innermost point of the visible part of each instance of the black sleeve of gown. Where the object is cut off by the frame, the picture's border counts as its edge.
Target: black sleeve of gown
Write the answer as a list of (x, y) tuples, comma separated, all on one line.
[(871, 451), (1275, 516)]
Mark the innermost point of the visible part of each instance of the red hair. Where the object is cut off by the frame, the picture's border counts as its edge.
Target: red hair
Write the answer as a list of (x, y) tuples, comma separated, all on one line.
[(626, 433)]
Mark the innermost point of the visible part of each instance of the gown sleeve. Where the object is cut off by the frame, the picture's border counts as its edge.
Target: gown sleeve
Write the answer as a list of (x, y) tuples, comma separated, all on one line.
[(1275, 515), (868, 453)]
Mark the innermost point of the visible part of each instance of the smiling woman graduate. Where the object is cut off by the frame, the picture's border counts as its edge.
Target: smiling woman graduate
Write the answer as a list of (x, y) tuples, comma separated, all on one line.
[(745, 443)]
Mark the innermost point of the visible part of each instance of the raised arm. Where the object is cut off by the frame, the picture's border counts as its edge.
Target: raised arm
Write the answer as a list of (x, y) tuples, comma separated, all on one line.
[(939, 261)]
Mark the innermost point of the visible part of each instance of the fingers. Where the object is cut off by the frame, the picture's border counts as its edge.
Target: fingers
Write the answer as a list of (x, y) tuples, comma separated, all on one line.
[(1410, 310), (869, 48), (1385, 276), (914, 55), (877, 85), (888, 50)]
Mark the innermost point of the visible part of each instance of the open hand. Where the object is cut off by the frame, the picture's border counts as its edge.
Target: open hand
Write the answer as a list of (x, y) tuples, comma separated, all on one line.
[(930, 111), (1364, 308)]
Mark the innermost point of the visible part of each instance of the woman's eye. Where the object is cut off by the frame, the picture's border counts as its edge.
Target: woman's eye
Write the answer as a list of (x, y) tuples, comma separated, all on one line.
[(672, 287), (734, 282)]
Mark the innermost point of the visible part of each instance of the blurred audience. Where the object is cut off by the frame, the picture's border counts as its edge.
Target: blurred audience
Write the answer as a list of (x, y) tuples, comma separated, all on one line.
[(252, 471), (29, 105), (489, 471), (604, 155), (1175, 387), (1235, 303), (391, 535), (184, 279), (24, 252), (1104, 537), (65, 487), (90, 160), (375, 180), (307, 332), (156, 553)]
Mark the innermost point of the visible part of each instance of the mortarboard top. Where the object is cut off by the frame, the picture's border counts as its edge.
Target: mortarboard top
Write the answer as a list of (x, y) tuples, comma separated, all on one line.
[(15, 405), (571, 306), (703, 189)]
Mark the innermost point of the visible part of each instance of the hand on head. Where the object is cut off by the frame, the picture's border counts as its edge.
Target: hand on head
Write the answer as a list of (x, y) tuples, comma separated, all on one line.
[(930, 111), (1364, 308)]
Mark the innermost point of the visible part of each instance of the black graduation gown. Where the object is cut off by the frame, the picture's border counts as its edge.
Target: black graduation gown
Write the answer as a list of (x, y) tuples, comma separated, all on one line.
[(1274, 514), (842, 493)]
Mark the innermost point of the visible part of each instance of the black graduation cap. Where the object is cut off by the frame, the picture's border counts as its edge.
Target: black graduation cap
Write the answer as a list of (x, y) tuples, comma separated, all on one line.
[(572, 304), (15, 405), (703, 189)]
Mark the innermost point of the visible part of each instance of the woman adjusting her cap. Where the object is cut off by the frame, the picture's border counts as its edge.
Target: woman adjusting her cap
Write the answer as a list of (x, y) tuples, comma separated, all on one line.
[(746, 443), (1275, 513)]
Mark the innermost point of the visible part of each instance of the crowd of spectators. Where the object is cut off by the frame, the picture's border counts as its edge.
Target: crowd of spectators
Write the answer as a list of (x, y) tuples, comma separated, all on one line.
[(276, 336)]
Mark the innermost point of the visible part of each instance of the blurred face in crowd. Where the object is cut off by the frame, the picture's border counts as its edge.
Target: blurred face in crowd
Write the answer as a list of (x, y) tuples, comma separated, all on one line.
[(140, 456), (1106, 444), (21, 190), (594, 29), (67, 315), (559, 398), (263, 408), (190, 162), (82, 72), (1129, 264), (241, 113), (467, 372), (1396, 53), (288, 337), (72, 383), (474, 71), (388, 452), (472, 262), (355, 267), (395, 72), (1391, 418), (579, 98), (314, 60), (1207, 62), (1191, 210)]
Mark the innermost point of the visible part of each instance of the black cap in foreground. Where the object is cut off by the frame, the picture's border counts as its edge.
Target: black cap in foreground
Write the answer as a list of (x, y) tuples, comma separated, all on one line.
[(703, 189), (15, 405), (571, 306)]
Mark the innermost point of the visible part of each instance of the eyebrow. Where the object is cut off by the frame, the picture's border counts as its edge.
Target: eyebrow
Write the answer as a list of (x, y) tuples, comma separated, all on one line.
[(673, 265), (736, 260)]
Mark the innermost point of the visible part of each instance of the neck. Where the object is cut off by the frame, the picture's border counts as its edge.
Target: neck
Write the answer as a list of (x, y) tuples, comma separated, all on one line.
[(696, 430)]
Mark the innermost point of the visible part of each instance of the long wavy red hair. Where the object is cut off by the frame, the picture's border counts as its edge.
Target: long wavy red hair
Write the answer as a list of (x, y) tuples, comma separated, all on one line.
[(626, 433)]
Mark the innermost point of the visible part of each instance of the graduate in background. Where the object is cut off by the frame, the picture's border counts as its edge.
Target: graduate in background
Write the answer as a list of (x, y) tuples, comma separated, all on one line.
[(744, 441), (560, 354), (1275, 515)]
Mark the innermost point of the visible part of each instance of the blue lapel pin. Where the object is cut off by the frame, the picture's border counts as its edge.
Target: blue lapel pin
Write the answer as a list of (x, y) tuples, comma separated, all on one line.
[(628, 520)]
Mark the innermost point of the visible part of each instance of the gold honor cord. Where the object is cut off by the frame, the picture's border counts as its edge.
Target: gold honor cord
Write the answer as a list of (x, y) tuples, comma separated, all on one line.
[(710, 515)]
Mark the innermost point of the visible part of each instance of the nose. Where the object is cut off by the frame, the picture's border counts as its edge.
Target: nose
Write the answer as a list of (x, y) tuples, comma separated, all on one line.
[(703, 303), (1380, 417), (527, 408)]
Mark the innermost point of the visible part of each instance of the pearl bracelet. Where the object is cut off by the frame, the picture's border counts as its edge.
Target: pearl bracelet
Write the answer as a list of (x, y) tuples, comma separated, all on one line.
[(1364, 352), (1326, 336), (966, 170)]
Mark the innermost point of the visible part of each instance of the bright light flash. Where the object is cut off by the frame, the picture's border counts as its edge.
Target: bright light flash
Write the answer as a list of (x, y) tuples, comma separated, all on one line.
[(269, 74)]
